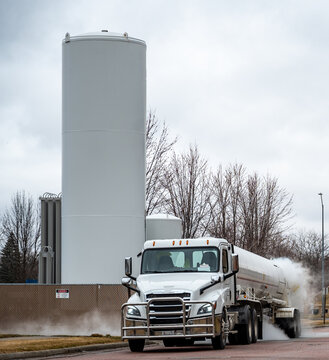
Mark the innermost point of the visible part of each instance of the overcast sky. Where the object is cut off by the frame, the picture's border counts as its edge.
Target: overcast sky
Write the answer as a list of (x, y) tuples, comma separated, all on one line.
[(248, 81)]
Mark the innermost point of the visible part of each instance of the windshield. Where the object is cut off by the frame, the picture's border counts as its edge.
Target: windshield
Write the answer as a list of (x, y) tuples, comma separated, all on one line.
[(180, 260)]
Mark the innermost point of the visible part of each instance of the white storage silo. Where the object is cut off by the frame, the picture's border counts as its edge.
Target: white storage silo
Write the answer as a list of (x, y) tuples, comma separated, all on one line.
[(103, 155), (163, 226)]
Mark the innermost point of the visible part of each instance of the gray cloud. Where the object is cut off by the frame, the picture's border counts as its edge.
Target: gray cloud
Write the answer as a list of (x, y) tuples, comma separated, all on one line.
[(247, 81)]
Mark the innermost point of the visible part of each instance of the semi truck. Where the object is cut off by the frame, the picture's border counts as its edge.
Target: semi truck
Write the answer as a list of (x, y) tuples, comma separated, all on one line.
[(195, 289)]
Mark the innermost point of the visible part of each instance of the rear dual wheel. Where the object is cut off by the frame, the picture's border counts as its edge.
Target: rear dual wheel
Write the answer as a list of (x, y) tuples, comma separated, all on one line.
[(246, 330), (254, 321)]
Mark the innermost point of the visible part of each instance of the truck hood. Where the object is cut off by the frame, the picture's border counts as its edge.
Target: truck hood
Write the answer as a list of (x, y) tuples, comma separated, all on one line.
[(173, 283)]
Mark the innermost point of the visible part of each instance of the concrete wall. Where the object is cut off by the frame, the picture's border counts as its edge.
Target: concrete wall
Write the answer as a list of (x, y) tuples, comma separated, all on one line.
[(34, 309)]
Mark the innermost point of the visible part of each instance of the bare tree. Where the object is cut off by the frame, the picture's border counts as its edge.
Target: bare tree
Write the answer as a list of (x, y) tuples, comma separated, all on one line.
[(225, 215), (22, 222), (186, 182), (306, 247), (249, 211), (158, 148), (265, 207)]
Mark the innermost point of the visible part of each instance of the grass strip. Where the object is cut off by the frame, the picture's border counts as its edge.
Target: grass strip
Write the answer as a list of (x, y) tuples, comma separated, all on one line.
[(17, 345)]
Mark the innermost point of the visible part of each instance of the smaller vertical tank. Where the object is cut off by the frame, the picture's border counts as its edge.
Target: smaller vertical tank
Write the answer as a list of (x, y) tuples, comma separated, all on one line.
[(163, 226)]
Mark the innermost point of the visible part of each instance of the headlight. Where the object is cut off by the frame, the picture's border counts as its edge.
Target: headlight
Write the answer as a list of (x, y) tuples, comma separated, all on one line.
[(205, 309), (133, 311)]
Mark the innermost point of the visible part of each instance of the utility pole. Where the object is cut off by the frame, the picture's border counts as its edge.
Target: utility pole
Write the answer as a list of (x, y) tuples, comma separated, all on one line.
[(322, 275)]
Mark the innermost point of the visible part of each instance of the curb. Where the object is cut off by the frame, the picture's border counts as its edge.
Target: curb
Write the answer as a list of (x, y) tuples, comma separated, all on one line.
[(62, 351)]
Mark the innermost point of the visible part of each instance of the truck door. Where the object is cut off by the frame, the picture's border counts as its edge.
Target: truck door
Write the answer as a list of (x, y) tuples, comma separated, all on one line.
[(226, 264)]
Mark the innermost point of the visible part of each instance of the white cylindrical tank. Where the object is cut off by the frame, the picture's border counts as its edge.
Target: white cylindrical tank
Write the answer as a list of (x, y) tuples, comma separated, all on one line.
[(163, 226), (261, 274), (103, 155)]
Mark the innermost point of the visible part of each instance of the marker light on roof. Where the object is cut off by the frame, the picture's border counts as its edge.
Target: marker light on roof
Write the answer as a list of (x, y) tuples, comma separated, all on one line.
[(207, 242), (186, 242), (180, 242), (173, 242), (153, 243)]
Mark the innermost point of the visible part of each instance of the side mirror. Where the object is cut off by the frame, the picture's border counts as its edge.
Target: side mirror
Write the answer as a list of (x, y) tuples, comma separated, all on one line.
[(215, 279), (128, 266), (235, 263), (125, 281)]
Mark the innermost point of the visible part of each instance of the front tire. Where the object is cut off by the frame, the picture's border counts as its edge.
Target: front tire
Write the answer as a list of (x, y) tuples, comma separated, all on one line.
[(136, 345), (219, 342)]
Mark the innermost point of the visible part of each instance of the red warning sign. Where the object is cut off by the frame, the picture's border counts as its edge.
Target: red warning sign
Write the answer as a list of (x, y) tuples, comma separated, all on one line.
[(62, 294)]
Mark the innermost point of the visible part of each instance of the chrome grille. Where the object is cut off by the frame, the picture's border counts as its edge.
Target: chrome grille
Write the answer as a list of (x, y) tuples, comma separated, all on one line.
[(171, 308)]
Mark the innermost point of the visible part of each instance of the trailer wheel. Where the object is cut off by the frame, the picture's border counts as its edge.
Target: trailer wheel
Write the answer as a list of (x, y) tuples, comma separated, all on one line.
[(294, 328), (254, 319), (136, 345), (245, 330)]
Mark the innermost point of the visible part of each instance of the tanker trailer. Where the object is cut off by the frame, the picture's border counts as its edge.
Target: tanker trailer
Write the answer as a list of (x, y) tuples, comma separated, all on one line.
[(206, 288), (260, 282)]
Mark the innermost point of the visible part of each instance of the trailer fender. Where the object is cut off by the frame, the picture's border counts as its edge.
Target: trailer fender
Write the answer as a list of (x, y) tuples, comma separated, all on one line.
[(285, 313), (289, 320)]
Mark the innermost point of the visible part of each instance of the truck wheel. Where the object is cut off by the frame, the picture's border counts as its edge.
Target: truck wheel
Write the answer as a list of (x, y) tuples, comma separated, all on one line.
[(245, 330), (219, 342), (169, 342), (189, 342), (177, 342), (254, 319), (136, 345), (233, 339), (260, 327)]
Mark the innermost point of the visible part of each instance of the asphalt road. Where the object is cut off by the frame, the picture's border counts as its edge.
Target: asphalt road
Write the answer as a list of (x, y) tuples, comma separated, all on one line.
[(315, 347)]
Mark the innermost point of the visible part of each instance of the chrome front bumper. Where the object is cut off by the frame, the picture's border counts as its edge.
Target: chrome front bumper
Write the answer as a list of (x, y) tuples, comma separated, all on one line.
[(202, 326)]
